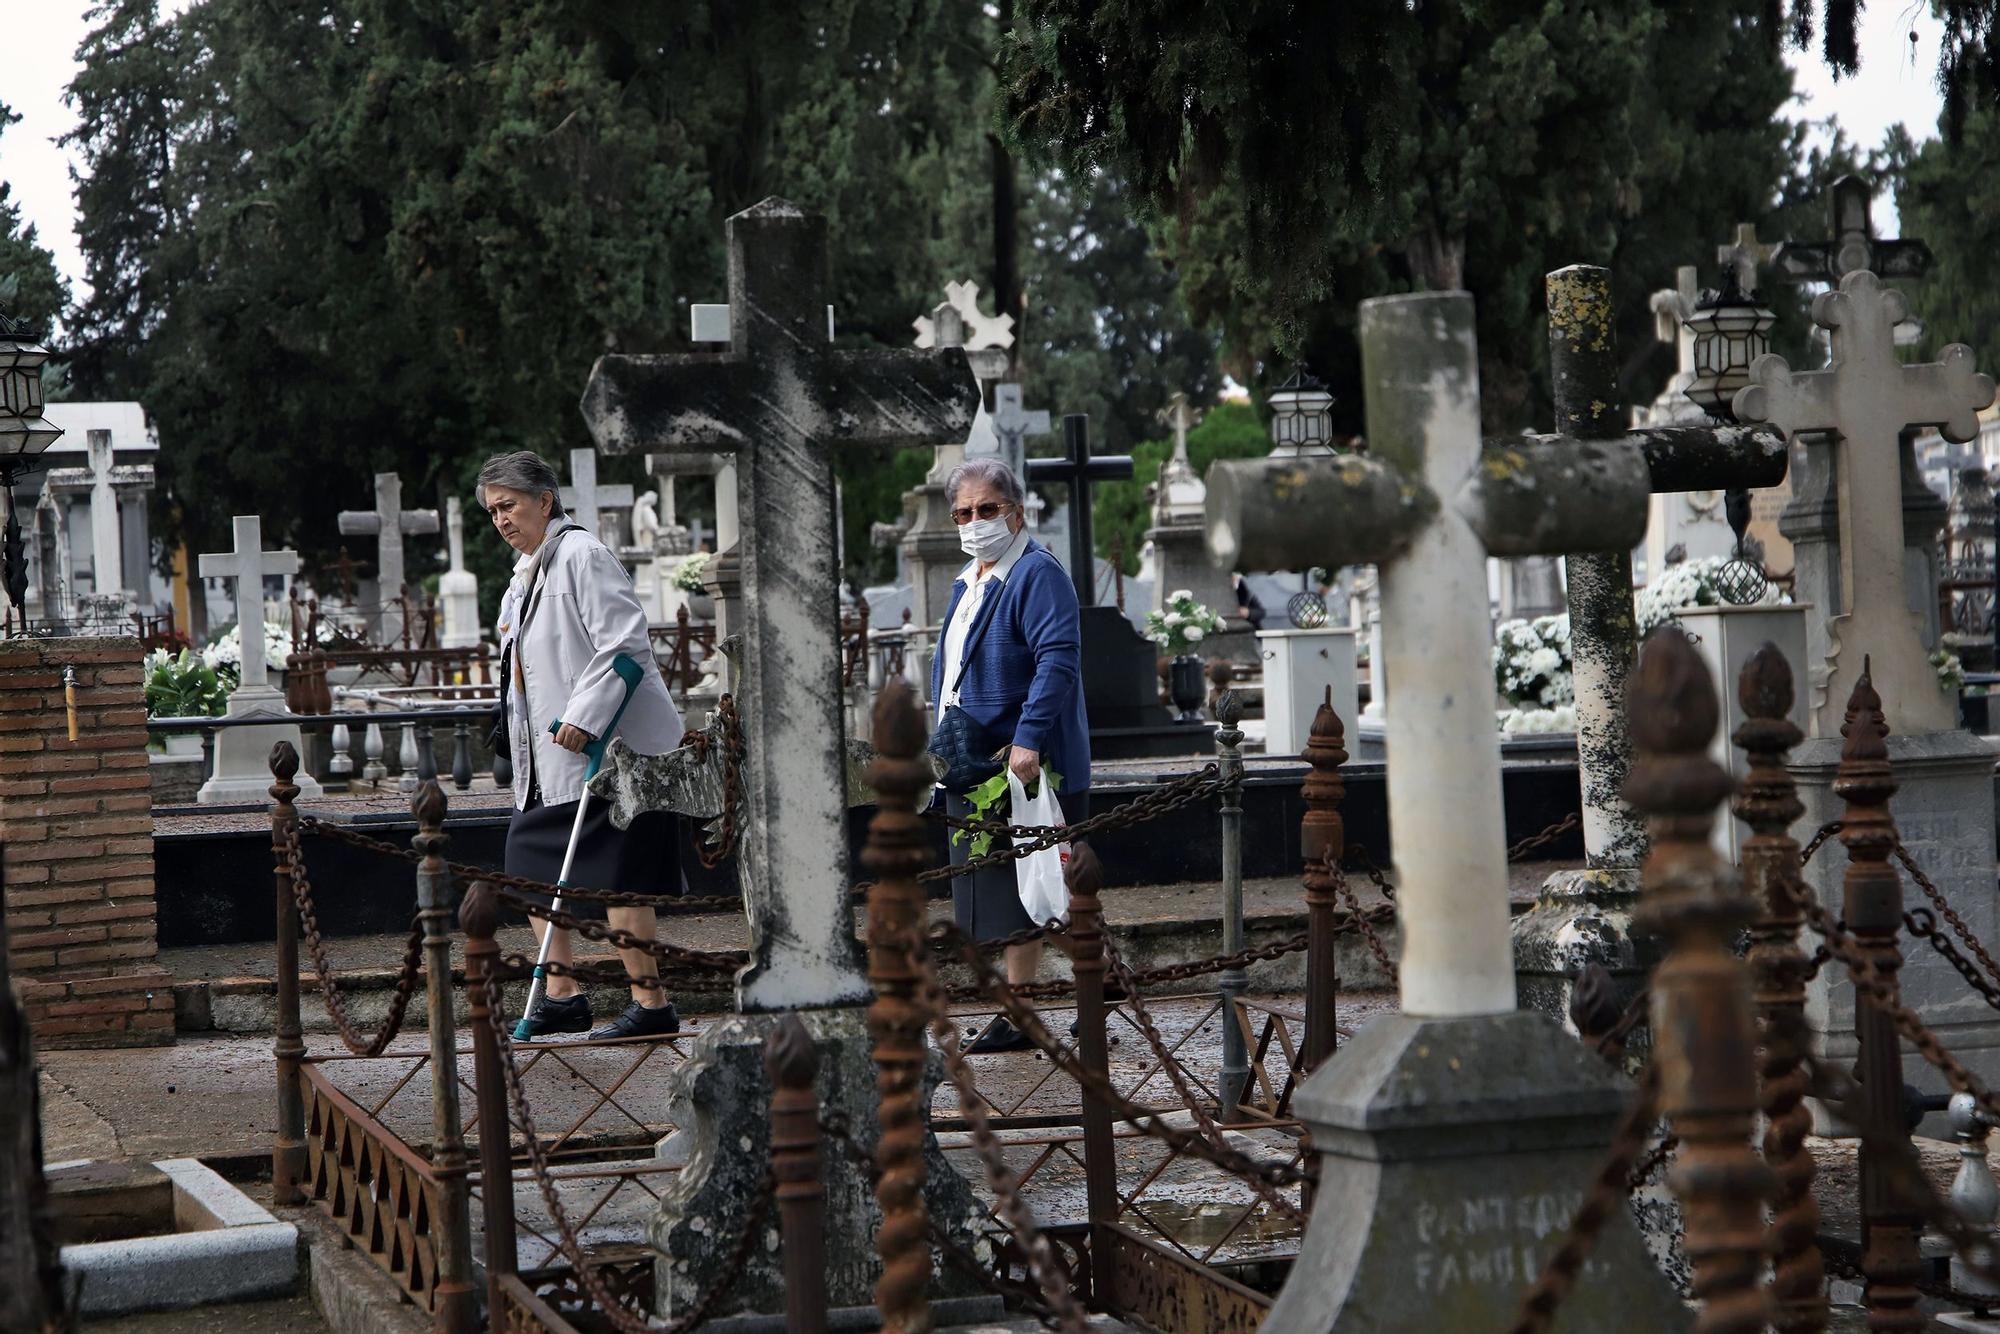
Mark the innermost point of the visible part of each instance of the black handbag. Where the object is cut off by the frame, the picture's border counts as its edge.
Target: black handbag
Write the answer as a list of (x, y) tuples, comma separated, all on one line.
[(967, 749)]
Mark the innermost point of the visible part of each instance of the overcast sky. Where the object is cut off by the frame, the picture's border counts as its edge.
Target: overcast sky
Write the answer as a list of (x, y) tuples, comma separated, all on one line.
[(1897, 83)]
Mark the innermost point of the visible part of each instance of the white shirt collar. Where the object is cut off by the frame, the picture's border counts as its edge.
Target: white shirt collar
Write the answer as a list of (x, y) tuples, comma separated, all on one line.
[(1002, 567)]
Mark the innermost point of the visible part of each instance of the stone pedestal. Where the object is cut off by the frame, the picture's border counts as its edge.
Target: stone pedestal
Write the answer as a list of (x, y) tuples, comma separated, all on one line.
[(1583, 917), (721, 1099), (242, 770), (1299, 666), (1453, 1153), (458, 594), (1943, 810), (1725, 637)]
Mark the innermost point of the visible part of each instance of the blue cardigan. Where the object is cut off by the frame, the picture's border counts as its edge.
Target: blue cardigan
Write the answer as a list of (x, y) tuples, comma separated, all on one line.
[(1024, 665)]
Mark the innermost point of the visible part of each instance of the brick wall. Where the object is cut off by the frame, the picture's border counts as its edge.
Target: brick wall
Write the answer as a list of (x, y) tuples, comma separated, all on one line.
[(76, 825)]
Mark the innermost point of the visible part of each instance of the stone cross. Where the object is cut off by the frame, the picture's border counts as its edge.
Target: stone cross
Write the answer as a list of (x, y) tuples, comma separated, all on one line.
[(1866, 398), (978, 331), (454, 532), (585, 499), (388, 523), (107, 563), (458, 587), (1745, 254), (1077, 470), (783, 401), (1013, 424), (1854, 247), (1671, 307), (1179, 492), (248, 564)]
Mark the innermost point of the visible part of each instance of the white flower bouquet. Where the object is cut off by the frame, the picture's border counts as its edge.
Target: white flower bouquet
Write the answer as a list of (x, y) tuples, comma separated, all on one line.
[(1531, 667), (1182, 623), (688, 575), (1692, 583), (224, 654)]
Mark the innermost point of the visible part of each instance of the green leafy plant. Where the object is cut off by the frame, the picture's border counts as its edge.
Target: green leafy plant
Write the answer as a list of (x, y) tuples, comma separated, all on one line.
[(991, 801), (183, 686)]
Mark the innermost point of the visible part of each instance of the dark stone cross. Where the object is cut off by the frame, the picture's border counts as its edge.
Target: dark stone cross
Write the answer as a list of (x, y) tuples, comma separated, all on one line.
[(1854, 247), (783, 400), (1077, 470)]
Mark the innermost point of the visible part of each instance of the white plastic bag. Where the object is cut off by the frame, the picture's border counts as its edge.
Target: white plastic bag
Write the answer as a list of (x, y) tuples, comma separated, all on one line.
[(1038, 876)]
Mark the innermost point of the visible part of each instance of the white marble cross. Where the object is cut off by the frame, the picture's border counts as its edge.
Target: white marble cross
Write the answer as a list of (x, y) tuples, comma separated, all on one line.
[(389, 523), (783, 400), (1013, 424), (1744, 253), (1179, 493), (107, 561), (454, 529), (458, 587), (1866, 398), (979, 331), (585, 499), (248, 564)]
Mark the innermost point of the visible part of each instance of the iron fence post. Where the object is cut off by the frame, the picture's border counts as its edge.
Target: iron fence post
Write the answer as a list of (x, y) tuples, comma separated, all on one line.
[(1086, 936), (792, 1061), (461, 750), (288, 1152), (479, 918), (1234, 981), (1322, 845), (456, 1309)]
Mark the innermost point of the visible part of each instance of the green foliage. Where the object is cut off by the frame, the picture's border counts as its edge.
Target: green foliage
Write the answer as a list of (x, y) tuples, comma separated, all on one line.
[(33, 290), (183, 686), (1121, 513), (1946, 193), (991, 800)]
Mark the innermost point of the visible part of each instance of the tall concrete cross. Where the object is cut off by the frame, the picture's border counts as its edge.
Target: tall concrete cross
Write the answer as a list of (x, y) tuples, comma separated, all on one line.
[(248, 565), (782, 400), (389, 523), (241, 763), (585, 499), (1865, 399), (1427, 507), (458, 587), (1076, 469), (107, 563), (1013, 425), (1850, 203)]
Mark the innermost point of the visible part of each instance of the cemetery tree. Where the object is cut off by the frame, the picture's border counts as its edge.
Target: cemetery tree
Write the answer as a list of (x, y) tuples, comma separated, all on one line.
[(1946, 193), (1120, 512), (30, 287)]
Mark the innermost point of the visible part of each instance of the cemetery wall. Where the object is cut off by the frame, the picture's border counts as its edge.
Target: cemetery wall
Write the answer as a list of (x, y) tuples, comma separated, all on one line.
[(77, 826)]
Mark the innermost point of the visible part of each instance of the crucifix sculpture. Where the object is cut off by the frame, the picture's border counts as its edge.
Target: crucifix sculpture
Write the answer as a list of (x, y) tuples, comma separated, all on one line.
[(388, 523), (1013, 424), (1850, 203), (1077, 470)]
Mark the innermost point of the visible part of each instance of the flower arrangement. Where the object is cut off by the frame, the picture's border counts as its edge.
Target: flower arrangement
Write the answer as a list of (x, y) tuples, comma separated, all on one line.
[(181, 685), (224, 654), (689, 573), (1182, 623), (1531, 665), (1691, 583), (1536, 722), (1950, 671)]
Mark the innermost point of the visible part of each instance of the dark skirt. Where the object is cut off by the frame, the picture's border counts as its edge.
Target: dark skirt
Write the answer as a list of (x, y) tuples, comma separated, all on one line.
[(644, 859), (987, 903)]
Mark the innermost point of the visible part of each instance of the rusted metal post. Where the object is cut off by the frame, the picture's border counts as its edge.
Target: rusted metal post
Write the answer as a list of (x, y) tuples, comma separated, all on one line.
[(1768, 802), (792, 1061), (898, 846), (288, 1152), (1085, 875), (456, 1310), (1872, 906), (1322, 844), (1705, 1037), (1234, 981), (479, 918)]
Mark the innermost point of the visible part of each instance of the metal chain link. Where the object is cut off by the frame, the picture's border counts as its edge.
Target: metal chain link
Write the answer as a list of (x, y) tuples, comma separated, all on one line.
[(1945, 910), (1921, 923), (1819, 838), (1546, 837), (329, 981), (714, 961), (1360, 918)]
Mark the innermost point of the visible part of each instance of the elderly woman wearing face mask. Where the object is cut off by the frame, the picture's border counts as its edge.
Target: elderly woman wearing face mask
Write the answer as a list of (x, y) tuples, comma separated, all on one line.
[(568, 614), (1011, 660)]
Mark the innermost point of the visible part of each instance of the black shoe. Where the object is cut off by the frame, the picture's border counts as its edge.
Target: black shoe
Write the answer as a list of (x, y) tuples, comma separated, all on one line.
[(1000, 1035), (551, 1016), (639, 1022)]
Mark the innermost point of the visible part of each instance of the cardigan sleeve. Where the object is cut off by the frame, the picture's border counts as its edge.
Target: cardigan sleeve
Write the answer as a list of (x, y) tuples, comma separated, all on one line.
[(613, 623), (1050, 624)]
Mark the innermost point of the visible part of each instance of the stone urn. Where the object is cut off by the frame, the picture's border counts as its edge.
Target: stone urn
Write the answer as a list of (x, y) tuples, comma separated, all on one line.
[(1186, 687), (701, 605)]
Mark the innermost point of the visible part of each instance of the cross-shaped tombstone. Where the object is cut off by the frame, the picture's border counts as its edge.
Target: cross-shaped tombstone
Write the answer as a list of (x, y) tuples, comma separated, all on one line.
[(389, 523), (1745, 254), (106, 555), (1854, 247), (1459, 1063), (1013, 425), (458, 587), (242, 754), (1077, 469), (1865, 400), (585, 500), (782, 400)]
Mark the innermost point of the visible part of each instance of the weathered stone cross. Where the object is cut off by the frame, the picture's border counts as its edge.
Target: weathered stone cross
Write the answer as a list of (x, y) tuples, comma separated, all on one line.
[(585, 500), (107, 564), (388, 523), (1013, 424), (248, 564), (1854, 247), (1077, 470), (782, 400), (1865, 399), (242, 754)]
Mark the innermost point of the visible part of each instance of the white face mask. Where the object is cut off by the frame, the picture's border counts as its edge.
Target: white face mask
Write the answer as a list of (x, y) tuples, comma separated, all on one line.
[(985, 539)]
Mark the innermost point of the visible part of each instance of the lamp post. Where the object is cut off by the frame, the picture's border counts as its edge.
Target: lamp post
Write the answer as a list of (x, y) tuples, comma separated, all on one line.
[(1731, 330), (1301, 417), (24, 434)]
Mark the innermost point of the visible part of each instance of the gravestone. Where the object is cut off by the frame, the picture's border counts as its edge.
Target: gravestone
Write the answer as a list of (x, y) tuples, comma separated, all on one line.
[(458, 587), (1121, 675), (1969, 570), (1854, 418), (1180, 552), (586, 501), (1457, 1137), (242, 771), (782, 400), (388, 523), (1014, 426)]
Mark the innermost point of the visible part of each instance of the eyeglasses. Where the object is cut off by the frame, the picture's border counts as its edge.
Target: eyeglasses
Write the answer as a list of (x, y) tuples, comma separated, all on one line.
[(990, 510)]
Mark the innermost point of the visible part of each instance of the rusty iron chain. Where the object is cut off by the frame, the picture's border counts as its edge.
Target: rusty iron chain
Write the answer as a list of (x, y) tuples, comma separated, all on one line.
[(1950, 915), (1535, 842), (714, 961), (1162, 800), (1819, 838), (329, 981), (1635, 1013), (1921, 923), (1606, 1195), (571, 1246), (1643, 1172), (1360, 918)]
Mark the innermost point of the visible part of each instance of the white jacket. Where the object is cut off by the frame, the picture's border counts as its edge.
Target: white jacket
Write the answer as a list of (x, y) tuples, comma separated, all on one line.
[(586, 616)]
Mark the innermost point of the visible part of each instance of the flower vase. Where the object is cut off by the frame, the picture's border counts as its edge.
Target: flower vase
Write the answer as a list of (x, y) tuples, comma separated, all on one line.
[(701, 606), (1184, 687)]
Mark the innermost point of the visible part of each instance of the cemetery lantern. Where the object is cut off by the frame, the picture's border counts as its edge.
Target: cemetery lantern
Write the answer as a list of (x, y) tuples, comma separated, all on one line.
[(1731, 330), (24, 434), (1302, 416)]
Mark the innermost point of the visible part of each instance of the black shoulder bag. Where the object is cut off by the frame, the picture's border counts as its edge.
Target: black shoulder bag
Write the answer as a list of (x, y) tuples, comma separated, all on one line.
[(967, 749)]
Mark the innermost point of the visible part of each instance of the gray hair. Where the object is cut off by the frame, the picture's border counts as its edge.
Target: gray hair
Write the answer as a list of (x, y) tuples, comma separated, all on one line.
[(522, 470), (988, 470)]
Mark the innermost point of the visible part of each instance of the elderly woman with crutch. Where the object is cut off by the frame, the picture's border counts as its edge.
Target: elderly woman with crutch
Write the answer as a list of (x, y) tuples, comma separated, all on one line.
[(576, 665), (1008, 683)]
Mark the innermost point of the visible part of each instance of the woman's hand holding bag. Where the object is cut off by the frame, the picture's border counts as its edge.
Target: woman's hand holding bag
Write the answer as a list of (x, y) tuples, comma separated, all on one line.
[(1039, 875)]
